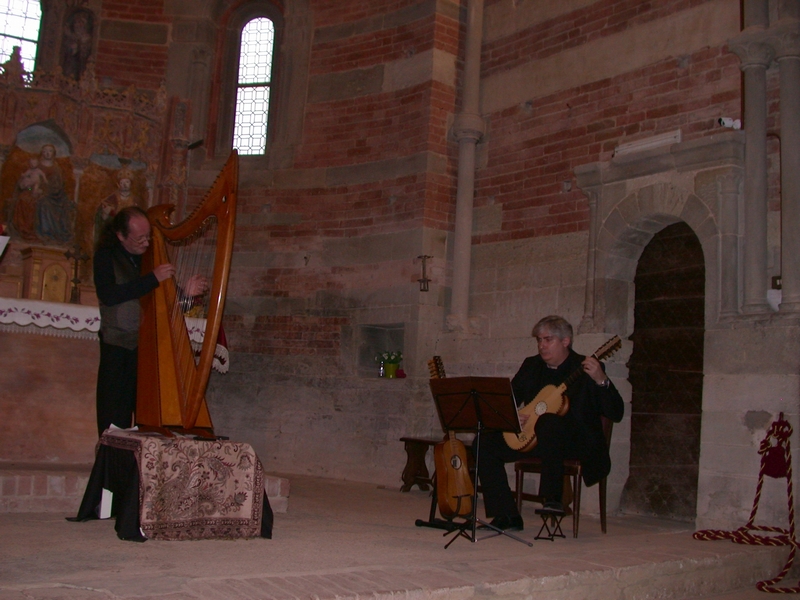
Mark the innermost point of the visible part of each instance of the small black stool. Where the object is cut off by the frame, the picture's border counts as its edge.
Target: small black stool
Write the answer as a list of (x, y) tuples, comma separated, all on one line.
[(551, 523)]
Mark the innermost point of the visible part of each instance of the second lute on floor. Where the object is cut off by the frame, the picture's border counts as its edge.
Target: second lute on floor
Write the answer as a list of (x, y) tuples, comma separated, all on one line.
[(552, 399)]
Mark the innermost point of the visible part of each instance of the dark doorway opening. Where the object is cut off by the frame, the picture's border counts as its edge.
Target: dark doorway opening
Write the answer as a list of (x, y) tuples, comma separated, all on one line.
[(666, 375)]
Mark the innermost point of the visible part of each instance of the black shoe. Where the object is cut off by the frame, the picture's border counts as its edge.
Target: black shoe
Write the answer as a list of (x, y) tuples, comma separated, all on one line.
[(507, 523), (551, 508)]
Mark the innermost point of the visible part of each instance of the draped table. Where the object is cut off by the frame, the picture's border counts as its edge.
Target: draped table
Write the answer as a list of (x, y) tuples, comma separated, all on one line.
[(178, 488)]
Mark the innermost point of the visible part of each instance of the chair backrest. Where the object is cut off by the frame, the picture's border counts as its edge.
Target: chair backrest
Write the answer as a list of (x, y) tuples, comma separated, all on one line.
[(608, 427)]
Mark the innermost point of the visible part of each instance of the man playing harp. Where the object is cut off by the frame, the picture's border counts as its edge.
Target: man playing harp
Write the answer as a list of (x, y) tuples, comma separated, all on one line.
[(120, 284)]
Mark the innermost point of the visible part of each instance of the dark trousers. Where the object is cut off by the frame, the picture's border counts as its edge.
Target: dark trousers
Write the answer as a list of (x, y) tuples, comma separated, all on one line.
[(556, 441), (116, 386)]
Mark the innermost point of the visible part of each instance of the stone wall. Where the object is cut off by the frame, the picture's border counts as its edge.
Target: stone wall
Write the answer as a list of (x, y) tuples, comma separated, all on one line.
[(751, 377)]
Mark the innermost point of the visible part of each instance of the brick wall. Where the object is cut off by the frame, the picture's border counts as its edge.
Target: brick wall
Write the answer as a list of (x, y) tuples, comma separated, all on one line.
[(133, 44), (356, 132), (589, 23), (375, 46), (533, 148), (334, 12), (530, 149), (295, 335), (135, 10), (369, 128), (123, 64)]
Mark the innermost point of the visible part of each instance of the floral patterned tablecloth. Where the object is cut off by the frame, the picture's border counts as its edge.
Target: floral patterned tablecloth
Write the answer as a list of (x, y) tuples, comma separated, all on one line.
[(196, 489)]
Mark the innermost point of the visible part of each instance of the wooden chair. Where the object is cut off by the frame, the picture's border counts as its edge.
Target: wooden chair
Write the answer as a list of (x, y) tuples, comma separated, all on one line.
[(572, 469)]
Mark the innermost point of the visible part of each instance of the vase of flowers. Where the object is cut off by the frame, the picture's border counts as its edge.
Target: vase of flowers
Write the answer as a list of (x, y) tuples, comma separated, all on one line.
[(389, 361)]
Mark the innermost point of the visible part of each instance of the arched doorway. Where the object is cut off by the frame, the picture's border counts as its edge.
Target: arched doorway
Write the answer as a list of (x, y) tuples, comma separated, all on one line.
[(666, 375)]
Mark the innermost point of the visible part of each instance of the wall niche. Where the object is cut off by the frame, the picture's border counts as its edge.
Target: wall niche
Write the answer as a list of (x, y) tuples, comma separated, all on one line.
[(375, 339)]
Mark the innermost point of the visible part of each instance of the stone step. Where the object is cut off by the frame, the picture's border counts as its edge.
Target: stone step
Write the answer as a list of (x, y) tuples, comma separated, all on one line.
[(58, 488), (26, 487)]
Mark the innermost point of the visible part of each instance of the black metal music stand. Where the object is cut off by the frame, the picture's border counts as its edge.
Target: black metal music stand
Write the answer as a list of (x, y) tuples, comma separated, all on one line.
[(475, 404)]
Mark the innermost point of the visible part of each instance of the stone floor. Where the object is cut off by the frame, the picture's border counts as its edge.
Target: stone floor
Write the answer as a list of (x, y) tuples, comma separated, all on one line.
[(349, 540)]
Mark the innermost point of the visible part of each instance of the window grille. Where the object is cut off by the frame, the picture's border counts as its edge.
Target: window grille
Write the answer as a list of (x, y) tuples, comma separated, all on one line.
[(254, 86), (19, 26)]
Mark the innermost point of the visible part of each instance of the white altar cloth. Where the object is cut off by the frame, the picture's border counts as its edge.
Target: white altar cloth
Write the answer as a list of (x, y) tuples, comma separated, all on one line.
[(21, 315)]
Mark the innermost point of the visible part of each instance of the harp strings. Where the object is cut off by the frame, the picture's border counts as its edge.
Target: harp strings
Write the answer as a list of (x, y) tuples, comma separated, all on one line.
[(192, 257)]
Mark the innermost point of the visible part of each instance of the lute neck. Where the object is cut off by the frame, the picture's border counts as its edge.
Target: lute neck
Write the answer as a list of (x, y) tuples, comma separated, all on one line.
[(573, 377)]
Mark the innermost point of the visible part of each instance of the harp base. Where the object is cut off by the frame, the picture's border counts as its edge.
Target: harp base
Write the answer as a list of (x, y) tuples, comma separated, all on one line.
[(198, 432)]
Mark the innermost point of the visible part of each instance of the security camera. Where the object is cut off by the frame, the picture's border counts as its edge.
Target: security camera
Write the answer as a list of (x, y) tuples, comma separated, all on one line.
[(729, 123)]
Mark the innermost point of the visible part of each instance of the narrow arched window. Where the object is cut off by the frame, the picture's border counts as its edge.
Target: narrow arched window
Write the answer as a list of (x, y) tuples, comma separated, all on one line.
[(253, 87), (19, 26)]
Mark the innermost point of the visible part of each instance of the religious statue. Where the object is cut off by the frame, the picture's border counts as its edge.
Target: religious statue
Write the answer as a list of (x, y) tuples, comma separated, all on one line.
[(13, 69), (112, 204), (55, 212), (29, 189), (76, 45)]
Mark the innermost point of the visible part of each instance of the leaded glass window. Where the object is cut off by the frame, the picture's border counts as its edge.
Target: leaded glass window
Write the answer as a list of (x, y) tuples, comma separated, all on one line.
[(254, 86), (19, 26)]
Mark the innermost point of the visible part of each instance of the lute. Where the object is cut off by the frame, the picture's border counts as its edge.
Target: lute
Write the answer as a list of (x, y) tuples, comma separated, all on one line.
[(454, 488), (552, 399)]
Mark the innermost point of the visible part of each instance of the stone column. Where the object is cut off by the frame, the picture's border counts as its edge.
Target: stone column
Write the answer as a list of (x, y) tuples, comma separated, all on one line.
[(756, 55), (787, 52), (199, 77), (729, 185), (587, 324), (468, 128)]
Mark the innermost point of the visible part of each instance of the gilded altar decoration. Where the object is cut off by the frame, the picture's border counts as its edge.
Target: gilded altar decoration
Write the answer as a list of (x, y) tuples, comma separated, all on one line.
[(78, 152)]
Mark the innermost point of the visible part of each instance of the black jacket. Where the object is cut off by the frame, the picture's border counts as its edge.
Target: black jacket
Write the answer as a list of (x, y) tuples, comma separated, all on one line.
[(587, 402)]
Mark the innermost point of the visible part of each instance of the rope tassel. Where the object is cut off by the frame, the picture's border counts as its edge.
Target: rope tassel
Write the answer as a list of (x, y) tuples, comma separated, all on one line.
[(776, 462)]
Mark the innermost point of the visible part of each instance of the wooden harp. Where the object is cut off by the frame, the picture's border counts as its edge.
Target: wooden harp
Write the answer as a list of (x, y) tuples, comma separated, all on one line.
[(172, 374)]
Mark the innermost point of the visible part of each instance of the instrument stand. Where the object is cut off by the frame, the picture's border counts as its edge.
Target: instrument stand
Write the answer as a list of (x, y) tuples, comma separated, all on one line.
[(473, 404), (432, 521)]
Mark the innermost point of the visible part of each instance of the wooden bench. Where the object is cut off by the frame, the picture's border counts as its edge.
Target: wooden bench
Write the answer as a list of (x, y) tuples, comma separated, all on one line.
[(416, 471)]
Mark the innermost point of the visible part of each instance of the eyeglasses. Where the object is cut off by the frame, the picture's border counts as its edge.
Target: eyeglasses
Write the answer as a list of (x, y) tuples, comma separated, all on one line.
[(141, 239)]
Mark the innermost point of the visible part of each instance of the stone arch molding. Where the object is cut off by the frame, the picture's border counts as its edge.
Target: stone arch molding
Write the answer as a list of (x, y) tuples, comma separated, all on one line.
[(620, 230)]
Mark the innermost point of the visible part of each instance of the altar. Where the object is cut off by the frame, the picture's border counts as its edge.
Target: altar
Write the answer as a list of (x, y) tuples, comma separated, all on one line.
[(50, 355), (77, 321)]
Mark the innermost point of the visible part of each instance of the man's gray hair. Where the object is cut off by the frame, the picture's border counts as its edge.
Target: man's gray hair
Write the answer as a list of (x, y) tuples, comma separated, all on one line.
[(555, 325)]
